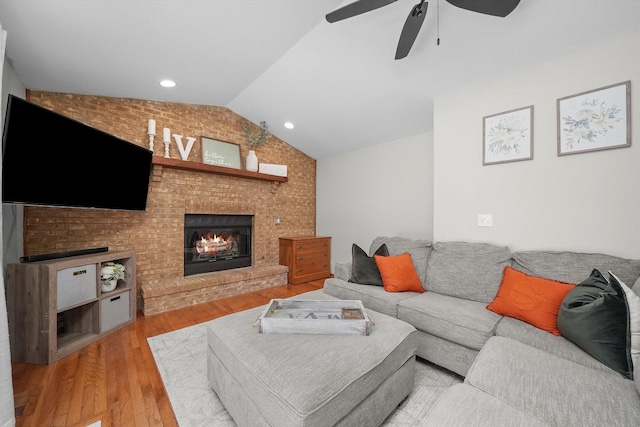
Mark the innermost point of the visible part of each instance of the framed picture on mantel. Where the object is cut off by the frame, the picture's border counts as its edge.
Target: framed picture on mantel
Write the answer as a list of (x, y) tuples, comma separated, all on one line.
[(220, 153)]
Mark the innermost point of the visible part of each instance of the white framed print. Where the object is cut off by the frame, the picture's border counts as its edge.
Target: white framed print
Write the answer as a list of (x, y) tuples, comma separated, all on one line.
[(508, 136), (598, 119)]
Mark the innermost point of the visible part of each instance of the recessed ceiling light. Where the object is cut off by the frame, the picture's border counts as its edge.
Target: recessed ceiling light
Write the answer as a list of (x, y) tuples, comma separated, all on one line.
[(167, 83), (288, 125)]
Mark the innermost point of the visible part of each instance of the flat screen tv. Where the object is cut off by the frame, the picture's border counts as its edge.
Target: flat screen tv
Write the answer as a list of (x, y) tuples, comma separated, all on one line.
[(52, 160)]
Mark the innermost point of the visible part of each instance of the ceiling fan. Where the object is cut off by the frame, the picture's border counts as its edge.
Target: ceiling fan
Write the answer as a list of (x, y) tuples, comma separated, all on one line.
[(415, 19)]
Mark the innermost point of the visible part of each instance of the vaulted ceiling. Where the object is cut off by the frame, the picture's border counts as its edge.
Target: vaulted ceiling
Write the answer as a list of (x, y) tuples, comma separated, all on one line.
[(280, 60)]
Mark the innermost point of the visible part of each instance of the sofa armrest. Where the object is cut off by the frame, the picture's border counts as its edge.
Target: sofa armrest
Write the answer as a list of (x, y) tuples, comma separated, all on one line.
[(342, 270)]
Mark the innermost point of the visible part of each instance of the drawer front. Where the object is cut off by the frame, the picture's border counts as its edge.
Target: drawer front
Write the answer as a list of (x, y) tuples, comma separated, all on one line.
[(76, 285), (305, 269), (114, 310), (311, 245), (302, 258)]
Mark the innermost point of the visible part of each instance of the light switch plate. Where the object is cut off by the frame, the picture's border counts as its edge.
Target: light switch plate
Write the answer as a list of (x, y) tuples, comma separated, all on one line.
[(485, 220)]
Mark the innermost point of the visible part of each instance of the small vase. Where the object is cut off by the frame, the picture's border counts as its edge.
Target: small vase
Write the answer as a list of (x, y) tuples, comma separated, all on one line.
[(108, 285), (252, 162)]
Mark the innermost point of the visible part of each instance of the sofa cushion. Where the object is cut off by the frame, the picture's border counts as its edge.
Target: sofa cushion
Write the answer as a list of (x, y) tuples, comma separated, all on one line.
[(418, 249), (574, 267), (342, 270), (464, 405), (372, 297), (523, 332), (363, 267), (471, 271), (531, 299), (461, 321), (553, 389), (398, 273), (595, 316)]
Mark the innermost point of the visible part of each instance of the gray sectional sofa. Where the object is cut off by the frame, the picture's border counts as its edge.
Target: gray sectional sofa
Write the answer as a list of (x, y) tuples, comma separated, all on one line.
[(515, 374)]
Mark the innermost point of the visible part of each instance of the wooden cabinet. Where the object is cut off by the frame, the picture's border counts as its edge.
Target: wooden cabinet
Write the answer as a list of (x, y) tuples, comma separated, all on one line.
[(308, 258), (57, 307)]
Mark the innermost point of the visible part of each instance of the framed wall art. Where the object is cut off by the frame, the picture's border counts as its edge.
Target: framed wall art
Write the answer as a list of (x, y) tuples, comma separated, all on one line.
[(220, 153), (508, 136), (598, 119)]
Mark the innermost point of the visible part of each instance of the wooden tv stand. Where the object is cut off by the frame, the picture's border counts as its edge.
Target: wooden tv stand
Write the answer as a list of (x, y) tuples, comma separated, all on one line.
[(56, 307)]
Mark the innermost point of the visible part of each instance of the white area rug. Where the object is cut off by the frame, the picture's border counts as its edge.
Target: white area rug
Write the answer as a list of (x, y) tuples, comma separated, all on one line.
[(181, 359)]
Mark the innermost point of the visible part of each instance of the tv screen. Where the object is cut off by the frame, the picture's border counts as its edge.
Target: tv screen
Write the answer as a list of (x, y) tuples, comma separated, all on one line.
[(52, 160)]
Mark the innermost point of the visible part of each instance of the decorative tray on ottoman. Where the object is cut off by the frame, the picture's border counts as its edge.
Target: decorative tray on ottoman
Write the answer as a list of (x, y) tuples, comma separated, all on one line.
[(290, 316)]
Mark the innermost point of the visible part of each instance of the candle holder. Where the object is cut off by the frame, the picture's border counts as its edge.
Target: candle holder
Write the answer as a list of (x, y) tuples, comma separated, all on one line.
[(166, 138), (151, 131)]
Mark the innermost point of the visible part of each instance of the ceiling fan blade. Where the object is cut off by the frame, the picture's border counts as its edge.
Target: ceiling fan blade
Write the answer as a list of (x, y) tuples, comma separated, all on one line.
[(356, 8), (411, 28), (489, 7)]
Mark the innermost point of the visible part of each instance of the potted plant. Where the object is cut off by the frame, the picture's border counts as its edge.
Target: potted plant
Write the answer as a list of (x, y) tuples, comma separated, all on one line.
[(110, 273), (255, 139)]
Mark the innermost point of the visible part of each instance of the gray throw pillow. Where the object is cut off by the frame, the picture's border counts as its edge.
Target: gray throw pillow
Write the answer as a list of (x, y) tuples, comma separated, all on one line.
[(363, 267), (595, 316)]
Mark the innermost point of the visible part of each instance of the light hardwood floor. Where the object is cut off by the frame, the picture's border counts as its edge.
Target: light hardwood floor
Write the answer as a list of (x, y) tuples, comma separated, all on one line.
[(115, 380)]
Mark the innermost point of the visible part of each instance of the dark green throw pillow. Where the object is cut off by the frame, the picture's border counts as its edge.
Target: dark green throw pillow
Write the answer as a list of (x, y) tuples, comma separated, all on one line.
[(595, 316), (363, 267)]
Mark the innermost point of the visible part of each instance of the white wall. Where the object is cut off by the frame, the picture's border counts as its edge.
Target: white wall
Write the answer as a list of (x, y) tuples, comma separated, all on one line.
[(383, 190), (7, 418), (11, 214), (588, 202)]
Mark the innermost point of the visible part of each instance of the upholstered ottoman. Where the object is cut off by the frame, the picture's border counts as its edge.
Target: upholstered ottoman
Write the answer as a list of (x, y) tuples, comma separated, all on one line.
[(310, 380)]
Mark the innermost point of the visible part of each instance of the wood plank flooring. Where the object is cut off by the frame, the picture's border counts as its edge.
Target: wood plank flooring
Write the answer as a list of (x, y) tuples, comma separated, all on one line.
[(115, 380)]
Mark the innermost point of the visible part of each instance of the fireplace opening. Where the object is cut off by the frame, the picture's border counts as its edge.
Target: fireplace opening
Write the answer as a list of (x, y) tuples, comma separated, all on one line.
[(216, 242)]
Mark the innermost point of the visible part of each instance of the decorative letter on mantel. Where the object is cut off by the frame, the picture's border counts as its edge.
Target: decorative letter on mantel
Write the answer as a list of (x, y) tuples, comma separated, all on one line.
[(184, 152), (166, 140)]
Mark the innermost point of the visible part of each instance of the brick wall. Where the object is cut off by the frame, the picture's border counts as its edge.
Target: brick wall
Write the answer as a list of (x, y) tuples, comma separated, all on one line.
[(156, 235)]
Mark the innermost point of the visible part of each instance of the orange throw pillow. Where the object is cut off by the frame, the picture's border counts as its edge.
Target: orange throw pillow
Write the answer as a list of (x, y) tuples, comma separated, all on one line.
[(531, 299), (398, 273)]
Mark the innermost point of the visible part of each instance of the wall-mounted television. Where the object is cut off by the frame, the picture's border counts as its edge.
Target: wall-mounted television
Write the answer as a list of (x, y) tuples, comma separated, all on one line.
[(52, 160)]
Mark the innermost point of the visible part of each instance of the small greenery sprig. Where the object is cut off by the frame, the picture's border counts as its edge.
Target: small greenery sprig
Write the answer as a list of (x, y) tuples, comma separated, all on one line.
[(258, 138)]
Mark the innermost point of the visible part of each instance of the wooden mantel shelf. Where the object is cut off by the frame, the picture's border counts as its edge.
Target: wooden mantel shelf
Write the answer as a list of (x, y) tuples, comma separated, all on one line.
[(221, 170)]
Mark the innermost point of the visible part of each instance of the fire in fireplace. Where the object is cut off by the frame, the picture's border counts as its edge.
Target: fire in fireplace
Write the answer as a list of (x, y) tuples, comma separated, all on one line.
[(216, 242)]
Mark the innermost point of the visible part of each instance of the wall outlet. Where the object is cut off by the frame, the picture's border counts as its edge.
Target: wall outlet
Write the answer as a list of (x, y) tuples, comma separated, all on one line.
[(485, 220)]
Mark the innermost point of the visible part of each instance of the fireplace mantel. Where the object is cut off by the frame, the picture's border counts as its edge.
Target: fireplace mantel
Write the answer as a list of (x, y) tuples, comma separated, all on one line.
[(220, 170)]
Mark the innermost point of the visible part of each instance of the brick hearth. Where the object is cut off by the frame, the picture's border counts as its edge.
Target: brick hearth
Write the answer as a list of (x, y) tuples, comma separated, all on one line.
[(171, 294), (157, 235)]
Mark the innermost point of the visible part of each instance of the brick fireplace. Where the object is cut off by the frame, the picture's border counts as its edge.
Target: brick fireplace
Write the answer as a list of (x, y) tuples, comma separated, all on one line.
[(157, 235)]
